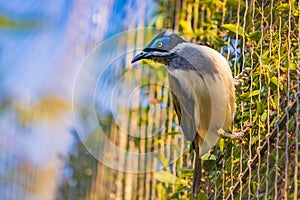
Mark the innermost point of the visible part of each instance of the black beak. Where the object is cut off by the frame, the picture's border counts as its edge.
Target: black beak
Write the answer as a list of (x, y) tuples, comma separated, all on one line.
[(141, 56)]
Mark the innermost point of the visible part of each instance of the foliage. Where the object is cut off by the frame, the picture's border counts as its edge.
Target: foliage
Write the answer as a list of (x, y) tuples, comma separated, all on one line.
[(261, 36)]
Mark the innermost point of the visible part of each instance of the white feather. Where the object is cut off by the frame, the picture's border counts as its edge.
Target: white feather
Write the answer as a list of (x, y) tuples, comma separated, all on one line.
[(213, 93)]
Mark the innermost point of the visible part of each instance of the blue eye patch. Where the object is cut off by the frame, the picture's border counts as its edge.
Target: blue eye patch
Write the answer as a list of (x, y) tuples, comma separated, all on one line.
[(164, 41)]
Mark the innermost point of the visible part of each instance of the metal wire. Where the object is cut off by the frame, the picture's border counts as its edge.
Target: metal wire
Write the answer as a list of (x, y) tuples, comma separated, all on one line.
[(278, 108), (251, 101), (280, 125), (268, 104), (259, 99), (286, 173), (297, 115), (242, 104)]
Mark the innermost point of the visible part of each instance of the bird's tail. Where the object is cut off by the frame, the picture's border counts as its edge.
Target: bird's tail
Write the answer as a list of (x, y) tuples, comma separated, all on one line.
[(197, 174)]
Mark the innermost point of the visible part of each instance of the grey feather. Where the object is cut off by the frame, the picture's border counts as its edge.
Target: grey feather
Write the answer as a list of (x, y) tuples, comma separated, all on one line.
[(191, 57), (184, 107)]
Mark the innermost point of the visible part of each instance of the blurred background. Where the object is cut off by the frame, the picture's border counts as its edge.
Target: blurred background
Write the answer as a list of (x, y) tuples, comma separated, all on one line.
[(44, 49)]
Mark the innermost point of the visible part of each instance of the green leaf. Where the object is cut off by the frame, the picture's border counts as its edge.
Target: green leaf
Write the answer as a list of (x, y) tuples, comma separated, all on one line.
[(274, 80), (244, 95), (283, 7), (273, 83), (221, 143), (264, 116), (255, 36), (254, 93), (233, 28), (293, 66), (167, 177), (208, 156), (259, 106), (236, 160)]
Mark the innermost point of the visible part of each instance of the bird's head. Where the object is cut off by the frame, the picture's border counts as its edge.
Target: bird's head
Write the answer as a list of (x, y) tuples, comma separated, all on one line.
[(161, 48)]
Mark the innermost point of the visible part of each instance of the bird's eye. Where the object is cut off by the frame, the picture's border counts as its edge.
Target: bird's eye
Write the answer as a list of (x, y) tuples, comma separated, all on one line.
[(159, 44)]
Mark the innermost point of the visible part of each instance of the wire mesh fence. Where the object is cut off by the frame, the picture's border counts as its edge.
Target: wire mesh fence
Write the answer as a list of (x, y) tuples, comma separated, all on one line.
[(262, 36)]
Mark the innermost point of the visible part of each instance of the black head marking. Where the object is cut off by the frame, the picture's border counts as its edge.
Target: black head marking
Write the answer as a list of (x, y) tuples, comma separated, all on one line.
[(164, 42), (160, 48)]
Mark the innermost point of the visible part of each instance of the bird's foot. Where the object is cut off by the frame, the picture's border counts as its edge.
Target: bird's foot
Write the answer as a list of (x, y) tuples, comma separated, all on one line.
[(241, 77), (235, 135)]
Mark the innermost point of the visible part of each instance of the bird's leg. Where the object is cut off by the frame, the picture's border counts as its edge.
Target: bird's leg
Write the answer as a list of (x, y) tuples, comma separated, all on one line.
[(235, 136), (197, 174), (241, 76)]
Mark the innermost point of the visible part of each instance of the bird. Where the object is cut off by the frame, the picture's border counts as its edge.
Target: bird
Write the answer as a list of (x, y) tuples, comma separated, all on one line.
[(202, 88)]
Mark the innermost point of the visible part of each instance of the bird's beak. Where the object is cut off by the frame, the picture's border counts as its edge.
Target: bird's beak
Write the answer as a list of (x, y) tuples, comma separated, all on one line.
[(141, 56)]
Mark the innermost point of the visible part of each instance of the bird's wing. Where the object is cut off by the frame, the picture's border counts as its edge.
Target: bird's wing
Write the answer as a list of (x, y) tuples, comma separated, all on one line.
[(184, 107), (176, 105)]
